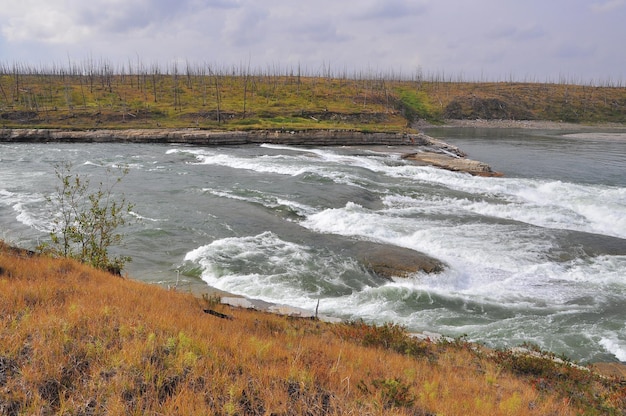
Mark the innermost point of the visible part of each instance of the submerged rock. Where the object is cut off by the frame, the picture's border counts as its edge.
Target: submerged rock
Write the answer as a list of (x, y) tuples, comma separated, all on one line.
[(392, 261)]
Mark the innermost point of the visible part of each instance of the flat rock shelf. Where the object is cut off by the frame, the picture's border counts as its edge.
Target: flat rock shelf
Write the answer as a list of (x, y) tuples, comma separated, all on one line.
[(431, 152)]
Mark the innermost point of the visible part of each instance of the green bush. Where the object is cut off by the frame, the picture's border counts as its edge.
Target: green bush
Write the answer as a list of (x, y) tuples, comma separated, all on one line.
[(415, 105), (86, 220)]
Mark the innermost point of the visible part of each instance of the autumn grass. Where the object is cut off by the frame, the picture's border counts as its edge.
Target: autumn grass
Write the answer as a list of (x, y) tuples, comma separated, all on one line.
[(74, 340), (98, 98)]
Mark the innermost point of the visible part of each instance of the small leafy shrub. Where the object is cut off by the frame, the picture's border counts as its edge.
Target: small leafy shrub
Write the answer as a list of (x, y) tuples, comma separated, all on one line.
[(395, 393), (85, 220)]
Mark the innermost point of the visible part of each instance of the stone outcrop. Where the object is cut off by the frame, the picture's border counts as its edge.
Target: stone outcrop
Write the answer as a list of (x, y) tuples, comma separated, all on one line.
[(452, 162), (212, 137), (390, 261)]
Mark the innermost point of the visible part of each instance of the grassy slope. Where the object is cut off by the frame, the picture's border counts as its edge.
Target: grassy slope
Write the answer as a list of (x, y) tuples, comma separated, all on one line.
[(291, 102), (78, 341)]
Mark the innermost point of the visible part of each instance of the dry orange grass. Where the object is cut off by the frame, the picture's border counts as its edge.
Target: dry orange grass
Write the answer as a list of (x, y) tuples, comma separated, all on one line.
[(78, 341)]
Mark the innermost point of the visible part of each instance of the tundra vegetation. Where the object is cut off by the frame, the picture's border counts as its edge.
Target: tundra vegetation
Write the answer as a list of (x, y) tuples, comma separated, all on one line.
[(74, 340), (97, 94)]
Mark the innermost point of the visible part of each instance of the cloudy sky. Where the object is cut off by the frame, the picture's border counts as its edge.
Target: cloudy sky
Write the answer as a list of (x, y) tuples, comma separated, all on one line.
[(537, 40)]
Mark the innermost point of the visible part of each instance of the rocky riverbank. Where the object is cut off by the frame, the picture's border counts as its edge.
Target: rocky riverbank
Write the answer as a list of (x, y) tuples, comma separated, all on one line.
[(430, 151), (201, 137)]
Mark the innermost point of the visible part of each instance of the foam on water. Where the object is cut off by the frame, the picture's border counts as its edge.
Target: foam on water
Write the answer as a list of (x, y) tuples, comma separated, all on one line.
[(28, 209), (299, 162), (280, 164), (268, 201), (143, 218), (501, 244), (615, 346), (490, 265), (372, 163), (553, 204), (266, 267)]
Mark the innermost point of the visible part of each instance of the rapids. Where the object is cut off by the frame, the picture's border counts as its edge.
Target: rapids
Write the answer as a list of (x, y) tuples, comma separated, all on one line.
[(538, 255)]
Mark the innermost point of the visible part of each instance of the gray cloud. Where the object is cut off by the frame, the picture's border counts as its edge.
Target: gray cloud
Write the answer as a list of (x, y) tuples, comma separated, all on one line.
[(319, 31), (392, 9), (607, 6), (572, 51), (517, 34), (491, 38)]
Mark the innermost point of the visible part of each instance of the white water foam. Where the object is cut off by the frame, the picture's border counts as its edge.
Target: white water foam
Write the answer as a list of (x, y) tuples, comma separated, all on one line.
[(268, 201), (268, 268), (594, 209), (322, 163), (280, 164), (25, 205), (142, 218), (552, 204), (505, 262), (372, 163), (615, 346)]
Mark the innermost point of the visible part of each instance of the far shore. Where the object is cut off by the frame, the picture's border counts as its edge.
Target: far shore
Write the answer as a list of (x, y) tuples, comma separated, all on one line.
[(324, 137), (522, 124)]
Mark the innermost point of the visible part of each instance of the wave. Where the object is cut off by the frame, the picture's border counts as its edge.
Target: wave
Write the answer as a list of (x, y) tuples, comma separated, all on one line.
[(28, 209), (142, 218), (558, 205), (269, 201), (502, 258), (302, 162), (266, 267), (551, 204), (615, 346)]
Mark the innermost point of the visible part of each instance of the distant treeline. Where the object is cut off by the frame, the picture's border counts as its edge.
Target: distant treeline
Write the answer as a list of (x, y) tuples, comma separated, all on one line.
[(98, 94)]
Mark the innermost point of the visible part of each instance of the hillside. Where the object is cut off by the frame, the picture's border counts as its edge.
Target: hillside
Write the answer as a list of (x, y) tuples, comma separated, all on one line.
[(78, 341), (97, 97)]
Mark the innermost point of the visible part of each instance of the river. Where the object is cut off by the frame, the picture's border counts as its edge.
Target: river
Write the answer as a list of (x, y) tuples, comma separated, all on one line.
[(538, 255)]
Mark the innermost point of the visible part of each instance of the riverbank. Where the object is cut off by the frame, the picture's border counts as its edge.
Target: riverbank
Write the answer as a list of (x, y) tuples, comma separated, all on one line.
[(202, 137), (74, 339)]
